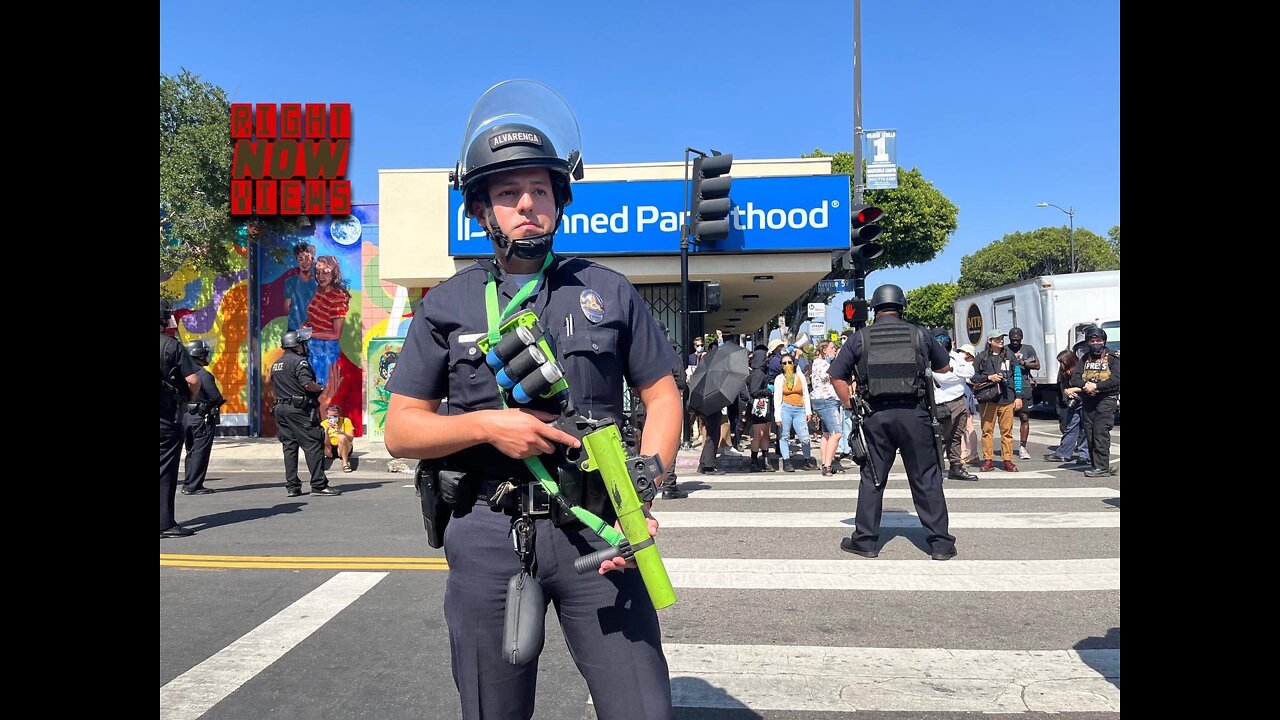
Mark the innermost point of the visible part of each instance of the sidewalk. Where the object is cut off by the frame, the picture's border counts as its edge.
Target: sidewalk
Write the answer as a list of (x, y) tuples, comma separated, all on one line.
[(246, 453)]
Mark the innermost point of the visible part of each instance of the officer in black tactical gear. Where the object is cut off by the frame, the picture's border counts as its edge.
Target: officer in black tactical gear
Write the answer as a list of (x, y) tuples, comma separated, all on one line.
[(515, 177), (199, 417), (888, 359), (297, 413), (1098, 375), (178, 381)]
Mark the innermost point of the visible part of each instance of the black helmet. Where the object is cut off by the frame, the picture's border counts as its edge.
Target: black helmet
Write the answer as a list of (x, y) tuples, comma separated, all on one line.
[(166, 312), (198, 349), (888, 295), (295, 338), (1095, 332), (510, 146)]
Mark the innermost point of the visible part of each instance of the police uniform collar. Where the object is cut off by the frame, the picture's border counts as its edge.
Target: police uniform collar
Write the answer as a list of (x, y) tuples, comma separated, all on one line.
[(493, 268)]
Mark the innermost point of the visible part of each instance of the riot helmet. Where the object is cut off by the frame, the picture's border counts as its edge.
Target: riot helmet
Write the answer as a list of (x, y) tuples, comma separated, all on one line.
[(888, 295), (199, 350), (166, 312), (519, 124), (296, 340)]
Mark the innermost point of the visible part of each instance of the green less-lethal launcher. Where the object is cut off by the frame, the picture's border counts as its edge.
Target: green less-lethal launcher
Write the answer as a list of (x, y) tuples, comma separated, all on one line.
[(605, 452)]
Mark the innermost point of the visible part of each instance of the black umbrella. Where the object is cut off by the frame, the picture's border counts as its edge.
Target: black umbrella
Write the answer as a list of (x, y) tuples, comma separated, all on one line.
[(719, 378)]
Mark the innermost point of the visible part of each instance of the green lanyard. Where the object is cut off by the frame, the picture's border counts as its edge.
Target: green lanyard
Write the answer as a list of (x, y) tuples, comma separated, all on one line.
[(496, 318), (491, 300)]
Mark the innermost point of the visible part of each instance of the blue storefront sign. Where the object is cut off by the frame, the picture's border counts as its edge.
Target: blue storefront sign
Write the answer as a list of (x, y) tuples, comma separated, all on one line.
[(643, 217)]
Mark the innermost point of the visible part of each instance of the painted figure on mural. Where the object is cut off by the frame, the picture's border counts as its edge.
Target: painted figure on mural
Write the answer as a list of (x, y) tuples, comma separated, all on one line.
[(325, 316), (300, 285)]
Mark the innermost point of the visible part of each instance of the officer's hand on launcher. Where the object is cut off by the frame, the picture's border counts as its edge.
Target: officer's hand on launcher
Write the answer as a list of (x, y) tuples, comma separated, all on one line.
[(618, 563), (522, 433)]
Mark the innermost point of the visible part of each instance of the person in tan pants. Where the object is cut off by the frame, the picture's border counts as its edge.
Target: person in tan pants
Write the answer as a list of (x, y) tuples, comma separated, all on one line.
[(995, 365)]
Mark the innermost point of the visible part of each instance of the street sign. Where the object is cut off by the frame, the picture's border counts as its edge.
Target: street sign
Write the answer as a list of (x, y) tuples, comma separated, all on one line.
[(882, 159), (817, 328), (831, 287), (817, 309)]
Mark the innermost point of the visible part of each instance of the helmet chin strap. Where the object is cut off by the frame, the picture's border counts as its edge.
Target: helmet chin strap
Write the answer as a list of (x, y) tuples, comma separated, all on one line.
[(530, 248)]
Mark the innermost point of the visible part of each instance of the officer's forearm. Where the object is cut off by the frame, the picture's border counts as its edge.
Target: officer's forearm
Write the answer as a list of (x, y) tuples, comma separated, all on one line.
[(664, 408), (416, 430)]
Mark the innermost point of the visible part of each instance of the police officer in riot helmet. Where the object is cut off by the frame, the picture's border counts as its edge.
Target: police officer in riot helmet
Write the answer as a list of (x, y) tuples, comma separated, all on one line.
[(178, 381), (199, 418), (888, 361), (297, 411), (1098, 376), (519, 156)]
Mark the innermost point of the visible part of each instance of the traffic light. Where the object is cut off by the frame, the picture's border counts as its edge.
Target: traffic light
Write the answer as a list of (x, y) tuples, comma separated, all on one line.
[(855, 311), (710, 221), (706, 297), (866, 228)]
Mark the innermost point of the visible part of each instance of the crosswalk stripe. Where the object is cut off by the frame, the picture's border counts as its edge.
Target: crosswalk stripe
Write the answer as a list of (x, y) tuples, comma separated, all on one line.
[(897, 575), (1041, 520), (851, 679), (194, 692), (905, 493), (850, 477)]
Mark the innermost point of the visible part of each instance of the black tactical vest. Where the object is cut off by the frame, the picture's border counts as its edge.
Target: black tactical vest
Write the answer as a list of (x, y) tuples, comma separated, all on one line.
[(891, 366)]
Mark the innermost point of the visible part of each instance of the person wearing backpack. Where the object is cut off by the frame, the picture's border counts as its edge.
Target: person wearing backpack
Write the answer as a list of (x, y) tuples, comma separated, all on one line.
[(889, 359)]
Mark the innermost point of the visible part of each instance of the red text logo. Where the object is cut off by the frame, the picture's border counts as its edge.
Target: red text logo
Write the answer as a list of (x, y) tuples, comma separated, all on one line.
[(290, 159)]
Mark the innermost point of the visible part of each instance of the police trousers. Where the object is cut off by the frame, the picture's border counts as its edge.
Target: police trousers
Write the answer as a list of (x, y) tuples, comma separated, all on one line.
[(609, 623), (297, 427), (170, 453), (909, 431)]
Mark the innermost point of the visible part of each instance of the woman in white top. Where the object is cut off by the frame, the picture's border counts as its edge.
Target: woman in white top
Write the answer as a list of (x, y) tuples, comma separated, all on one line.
[(827, 405)]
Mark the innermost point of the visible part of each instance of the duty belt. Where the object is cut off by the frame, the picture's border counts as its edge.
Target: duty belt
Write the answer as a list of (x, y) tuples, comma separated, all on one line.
[(515, 498)]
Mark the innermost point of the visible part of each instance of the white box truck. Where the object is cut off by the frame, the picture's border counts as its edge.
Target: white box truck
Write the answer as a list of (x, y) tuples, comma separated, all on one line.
[(1052, 311)]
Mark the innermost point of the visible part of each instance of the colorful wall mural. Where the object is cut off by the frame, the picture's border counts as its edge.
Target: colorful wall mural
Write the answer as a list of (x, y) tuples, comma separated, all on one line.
[(216, 309), (331, 284), (319, 285)]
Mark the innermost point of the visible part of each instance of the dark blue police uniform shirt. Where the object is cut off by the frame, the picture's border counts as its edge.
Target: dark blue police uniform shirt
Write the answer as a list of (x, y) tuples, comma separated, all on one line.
[(441, 360), (847, 359)]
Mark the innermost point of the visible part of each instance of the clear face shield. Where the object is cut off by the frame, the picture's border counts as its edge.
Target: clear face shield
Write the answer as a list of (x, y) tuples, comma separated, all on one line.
[(519, 124), (523, 102)]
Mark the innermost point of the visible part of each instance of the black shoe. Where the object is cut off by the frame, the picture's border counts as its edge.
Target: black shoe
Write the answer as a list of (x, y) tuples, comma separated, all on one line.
[(710, 471), (331, 492), (1114, 471), (943, 554), (846, 544), (199, 491), (958, 472), (177, 531), (787, 466), (294, 493), (1057, 459), (1092, 473), (674, 494)]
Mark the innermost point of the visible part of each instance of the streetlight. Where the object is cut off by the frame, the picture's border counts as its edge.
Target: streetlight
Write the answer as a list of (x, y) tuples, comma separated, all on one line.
[(1071, 232)]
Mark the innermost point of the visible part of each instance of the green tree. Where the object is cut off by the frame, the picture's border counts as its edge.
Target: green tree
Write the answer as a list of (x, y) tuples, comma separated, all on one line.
[(1113, 238), (1047, 251), (195, 181), (918, 218), (930, 305)]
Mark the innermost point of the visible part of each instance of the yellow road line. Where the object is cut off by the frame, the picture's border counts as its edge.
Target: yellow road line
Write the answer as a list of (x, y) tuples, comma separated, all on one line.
[(299, 558), (300, 566), (302, 563)]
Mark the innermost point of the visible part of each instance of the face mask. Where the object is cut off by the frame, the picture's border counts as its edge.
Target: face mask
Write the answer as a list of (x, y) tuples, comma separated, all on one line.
[(789, 369), (1096, 348)]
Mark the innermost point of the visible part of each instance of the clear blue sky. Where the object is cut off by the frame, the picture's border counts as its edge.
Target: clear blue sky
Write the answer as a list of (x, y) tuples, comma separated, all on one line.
[(1001, 104)]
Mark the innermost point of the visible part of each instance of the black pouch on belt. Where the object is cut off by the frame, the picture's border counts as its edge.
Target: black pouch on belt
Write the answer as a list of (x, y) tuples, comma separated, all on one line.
[(442, 495), (585, 490), (522, 630)]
